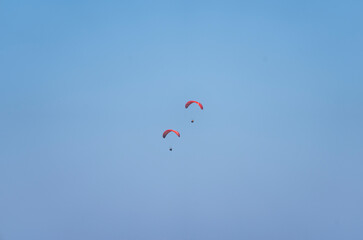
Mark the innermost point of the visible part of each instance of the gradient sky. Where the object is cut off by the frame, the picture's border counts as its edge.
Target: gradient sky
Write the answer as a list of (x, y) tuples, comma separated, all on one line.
[(88, 87)]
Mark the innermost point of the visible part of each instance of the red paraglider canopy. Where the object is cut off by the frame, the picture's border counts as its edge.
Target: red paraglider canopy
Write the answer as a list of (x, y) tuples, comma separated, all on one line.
[(170, 130), (190, 102)]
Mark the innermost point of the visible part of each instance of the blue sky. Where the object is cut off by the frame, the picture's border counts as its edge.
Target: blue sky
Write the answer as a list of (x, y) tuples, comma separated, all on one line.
[(87, 88)]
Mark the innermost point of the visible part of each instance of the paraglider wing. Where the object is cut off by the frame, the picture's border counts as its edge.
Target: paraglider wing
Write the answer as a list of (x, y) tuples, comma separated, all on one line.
[(170, 130), (190, 102)]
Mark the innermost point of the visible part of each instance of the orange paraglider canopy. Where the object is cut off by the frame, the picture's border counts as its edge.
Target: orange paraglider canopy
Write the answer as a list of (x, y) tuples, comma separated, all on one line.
[(170, 130), (190, 102)]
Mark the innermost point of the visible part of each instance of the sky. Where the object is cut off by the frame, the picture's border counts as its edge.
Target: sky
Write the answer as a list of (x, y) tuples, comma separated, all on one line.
[(88, 87)]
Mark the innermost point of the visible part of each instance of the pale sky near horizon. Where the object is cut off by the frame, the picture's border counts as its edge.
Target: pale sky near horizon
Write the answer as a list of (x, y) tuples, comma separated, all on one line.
[(88, 87)]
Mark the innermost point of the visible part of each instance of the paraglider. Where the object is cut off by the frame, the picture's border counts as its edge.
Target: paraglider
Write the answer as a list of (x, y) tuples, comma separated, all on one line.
[(190, 102), (166, 132)]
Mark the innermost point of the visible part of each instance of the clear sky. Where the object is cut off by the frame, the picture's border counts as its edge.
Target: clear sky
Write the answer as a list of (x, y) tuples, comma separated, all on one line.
[(88, 87)]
